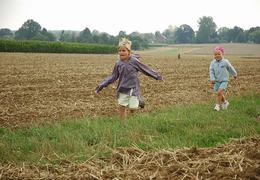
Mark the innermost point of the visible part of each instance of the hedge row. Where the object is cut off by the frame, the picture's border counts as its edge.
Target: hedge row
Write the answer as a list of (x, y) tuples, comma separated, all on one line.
[(54, 47)]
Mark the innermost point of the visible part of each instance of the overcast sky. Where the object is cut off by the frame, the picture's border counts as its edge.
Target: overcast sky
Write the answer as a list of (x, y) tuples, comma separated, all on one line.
[(112, 16)]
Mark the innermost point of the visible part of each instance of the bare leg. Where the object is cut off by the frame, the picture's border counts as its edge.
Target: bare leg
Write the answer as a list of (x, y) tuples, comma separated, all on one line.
[(122, 112), (132, 111), (223, 98), (220, 97)]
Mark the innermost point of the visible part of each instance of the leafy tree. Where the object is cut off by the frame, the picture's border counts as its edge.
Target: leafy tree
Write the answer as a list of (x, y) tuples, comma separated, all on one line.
[(95, 36), (48, 36), (169, 34), (62, 36), (85, 36), (28, 30), (122, 34), (207, 30), (104, 38), (40, 37), (255, 36), (6, 33), (160, 38), (136, 40), (223, 34), (95, 32), (68, 36), (73, 37), (237, 34), (184, 34), (148, 37), (252, 29)]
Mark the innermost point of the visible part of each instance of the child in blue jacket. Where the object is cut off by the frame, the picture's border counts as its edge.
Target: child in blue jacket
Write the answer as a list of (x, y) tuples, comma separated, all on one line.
[(220, 69)]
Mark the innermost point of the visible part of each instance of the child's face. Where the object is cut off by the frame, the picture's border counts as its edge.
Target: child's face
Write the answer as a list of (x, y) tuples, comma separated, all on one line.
[(123, 53), (218, 55)]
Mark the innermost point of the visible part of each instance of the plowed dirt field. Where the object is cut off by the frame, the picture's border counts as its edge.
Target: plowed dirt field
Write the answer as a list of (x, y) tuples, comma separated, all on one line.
[(52, 87)]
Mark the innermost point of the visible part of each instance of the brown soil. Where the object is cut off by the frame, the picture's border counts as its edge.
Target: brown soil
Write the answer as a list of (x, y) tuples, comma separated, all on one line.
[(52, 87)]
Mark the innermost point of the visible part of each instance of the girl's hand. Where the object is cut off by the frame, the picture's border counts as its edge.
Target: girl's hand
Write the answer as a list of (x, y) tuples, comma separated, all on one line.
[(99, 88), (160, 78)]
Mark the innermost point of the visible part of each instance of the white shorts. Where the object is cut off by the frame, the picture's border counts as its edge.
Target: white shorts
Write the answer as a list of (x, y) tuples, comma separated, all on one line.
[(131, 101)]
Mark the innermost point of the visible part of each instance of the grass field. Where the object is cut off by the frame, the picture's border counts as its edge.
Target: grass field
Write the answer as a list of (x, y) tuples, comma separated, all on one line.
[(53, 125), (180, 126), (174, 142)]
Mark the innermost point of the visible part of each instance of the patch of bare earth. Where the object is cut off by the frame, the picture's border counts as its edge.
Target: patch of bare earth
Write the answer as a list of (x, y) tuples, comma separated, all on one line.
[(239, 159), (52, 87)]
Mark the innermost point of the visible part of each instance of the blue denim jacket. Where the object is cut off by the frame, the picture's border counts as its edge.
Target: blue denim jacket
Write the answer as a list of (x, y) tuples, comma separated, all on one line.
[(220, 70)]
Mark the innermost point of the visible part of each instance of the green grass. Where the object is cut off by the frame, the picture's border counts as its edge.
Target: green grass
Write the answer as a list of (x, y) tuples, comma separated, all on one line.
[(180, 126), (54, 47)]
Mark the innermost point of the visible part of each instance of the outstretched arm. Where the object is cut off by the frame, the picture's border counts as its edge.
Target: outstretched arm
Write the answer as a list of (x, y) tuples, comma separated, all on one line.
[(108, 80), (231, 69), (147, 70), (212, 74)]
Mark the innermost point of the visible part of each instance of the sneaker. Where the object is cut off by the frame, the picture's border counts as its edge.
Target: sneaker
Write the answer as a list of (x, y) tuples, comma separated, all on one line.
[(225, 105), (217, 107), (141, 102)]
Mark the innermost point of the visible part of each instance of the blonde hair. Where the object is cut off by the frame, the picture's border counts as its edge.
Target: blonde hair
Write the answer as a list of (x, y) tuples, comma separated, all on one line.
[(125, 43)]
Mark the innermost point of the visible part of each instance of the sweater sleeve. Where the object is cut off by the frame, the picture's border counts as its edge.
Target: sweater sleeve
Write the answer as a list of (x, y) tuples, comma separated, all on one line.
[(110, 79), (147, 70), (212, 72), (231, 69)]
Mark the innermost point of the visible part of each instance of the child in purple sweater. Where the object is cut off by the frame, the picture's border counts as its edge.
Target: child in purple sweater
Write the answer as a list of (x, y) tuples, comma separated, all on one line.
[(126, 70)]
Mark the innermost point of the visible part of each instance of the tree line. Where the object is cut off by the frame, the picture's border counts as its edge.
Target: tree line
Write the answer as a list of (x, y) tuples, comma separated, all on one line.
[(207, 33)]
